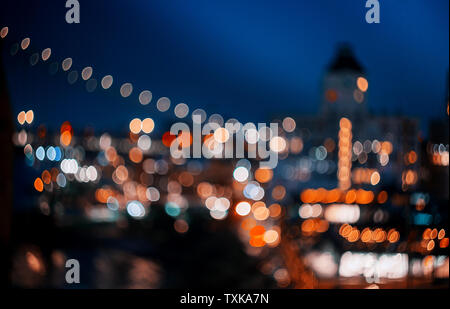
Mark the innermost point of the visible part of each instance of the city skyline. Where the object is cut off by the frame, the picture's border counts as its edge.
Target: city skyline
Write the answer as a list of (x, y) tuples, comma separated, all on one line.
[(237, 144)]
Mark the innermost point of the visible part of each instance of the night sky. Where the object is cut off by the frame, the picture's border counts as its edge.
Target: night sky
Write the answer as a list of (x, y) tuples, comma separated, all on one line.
[(240, 58)]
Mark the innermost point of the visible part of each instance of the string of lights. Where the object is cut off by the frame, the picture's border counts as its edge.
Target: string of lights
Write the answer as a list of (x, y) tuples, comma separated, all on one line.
[(126, 90)]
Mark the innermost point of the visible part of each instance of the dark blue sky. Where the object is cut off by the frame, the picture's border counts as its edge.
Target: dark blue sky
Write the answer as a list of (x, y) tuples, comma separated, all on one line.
[(239, 58)]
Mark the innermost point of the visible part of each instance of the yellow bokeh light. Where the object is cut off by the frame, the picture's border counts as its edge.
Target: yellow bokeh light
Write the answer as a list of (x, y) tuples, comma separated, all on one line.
[(25, 43), (135, 125), (362, 84), (277, 144), (263, 175), (270, 236), (275, 210), (21, 117), (29, 116), (243, 208), (148, 125), (4, 32), (375, 178), (221, 135), (46, 53), (261, 213)]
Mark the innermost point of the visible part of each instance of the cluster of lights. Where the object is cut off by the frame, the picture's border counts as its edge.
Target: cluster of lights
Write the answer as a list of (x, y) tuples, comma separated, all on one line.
[(48, 178), (365, 175), (69, 166), (342, 213), (255, 216), (66, 134), (254, 191), (52, 153), (431, 236), (316, 225), (25, 117), (438, 266), (114, 201), (322, 195), (362, 150), (221, 140), (374, 146), (259, 210), (107, 195), (322, 263), (439, 154), (206, 189), (345, 154), (310, 211), (379, 235), (259, 236), (87, 174), (373, 266), (216, 198), (146, 125), (218, 207)]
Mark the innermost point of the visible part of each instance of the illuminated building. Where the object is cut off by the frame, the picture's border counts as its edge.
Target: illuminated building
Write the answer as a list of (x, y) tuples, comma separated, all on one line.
[(436, 155), (357, 167), (378, 143)]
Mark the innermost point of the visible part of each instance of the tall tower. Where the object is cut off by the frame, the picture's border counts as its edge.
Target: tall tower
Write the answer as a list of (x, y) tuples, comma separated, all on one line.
[(345, 88)]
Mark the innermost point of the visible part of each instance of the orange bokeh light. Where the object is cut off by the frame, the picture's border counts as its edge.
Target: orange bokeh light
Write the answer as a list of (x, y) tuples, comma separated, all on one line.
[(135, 155), (382, 197), (66, 138), (362, 84), (257, 231), (275, 210), (263, 175), (46, 177), (257, 242), (39, 185), (279, 192), (331, 95), (167, 139)]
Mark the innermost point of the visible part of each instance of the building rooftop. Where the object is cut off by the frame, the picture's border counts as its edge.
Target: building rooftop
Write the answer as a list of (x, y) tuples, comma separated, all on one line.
[(345, 60)]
